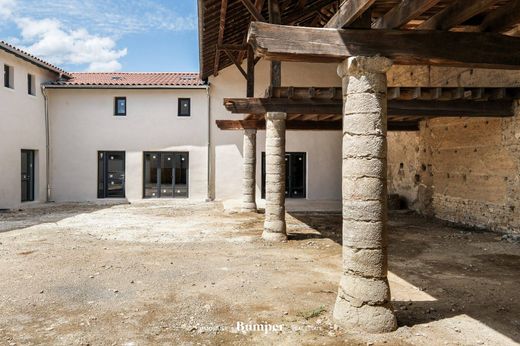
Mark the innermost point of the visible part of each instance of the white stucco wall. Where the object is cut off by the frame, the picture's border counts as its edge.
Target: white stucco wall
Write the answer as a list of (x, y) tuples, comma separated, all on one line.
[(22, 126), (83, 123), (323, 148)]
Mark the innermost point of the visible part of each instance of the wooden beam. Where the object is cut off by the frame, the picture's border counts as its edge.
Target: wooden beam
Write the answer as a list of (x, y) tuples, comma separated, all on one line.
[(222, 27), (308, 125), (404, 12), (232, 58), (503, 18), (253, 11), (276, 66), (250, 92), (348, 12), (456, 14), (407, 47), (418, 108), (259, 4), (233, 47)]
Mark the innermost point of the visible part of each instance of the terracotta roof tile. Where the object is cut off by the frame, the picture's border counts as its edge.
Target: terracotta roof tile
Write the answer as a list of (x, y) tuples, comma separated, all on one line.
[(132, 79), (31, 58)]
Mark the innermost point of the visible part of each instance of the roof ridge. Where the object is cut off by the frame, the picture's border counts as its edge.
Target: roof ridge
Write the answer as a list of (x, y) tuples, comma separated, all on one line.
[(115, 72)]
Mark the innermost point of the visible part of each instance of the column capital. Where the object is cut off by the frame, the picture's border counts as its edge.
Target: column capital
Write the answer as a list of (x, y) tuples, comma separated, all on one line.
[(275, 116), (250, 131), (364, 64)]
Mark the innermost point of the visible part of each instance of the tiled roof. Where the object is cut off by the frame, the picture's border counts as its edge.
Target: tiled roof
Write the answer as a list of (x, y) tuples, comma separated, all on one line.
[(31, 58), (132, 79)]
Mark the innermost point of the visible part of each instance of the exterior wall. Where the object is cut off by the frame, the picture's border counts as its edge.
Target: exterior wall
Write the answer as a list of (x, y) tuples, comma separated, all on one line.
[(22, 119), (323, 148), (463, 170), (82, 123)]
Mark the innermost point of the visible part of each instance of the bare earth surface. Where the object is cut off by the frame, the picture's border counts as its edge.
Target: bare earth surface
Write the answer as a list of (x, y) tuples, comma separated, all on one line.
[(168, 273)]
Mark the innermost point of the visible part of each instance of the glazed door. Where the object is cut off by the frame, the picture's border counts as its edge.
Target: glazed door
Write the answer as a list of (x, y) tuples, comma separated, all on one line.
[(111, 174), (27, 175)]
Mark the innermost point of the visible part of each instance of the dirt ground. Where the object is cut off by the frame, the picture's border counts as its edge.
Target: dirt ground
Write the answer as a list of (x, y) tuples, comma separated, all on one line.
[(166, 273)]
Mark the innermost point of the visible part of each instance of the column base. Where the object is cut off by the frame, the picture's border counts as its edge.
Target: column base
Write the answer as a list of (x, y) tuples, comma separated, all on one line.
[(274, 231), (366, 318), (249, 207)]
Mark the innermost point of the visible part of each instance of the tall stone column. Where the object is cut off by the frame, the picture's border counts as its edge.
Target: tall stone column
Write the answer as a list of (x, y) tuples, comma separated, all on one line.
[(249, 180), (363, 301), (274, 225)]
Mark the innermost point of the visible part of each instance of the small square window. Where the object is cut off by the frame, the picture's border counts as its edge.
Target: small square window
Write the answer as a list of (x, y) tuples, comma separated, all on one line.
[(184, 107), (120, 106), (31, 85), (8, 77)]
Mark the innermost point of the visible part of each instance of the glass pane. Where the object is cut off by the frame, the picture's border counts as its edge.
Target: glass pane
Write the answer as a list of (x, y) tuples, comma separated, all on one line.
[(298, 176), (115, 174), (181, 175), (151, 167), (101, 175), (121, 106), (167, 160)]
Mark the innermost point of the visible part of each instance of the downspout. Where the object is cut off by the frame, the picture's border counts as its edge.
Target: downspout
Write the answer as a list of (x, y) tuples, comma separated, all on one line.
[(210, 164), (47, 146)]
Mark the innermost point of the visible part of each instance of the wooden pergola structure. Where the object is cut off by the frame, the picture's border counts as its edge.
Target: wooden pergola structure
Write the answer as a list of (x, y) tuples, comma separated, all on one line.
[(365, 37)]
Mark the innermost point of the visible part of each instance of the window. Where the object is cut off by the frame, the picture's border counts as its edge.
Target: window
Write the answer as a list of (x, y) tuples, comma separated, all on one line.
[(120, 106), (31, 85), (166, 175), (8, 77), (111, 174), (295, 175), (184, 108)]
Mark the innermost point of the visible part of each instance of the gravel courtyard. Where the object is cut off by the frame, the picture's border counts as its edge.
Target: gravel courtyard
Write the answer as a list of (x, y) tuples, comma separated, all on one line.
[(163, 273)]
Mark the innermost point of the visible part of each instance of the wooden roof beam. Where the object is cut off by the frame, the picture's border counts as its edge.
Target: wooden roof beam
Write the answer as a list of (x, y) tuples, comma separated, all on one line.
[(255, 13), (456, 14), (405, 47), (309, 125), (348, 12), (419, 108), (222, 26), (404, 12), (503, 18)]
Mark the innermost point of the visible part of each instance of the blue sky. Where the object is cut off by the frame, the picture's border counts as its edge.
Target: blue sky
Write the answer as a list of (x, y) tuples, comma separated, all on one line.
[(105, 35)]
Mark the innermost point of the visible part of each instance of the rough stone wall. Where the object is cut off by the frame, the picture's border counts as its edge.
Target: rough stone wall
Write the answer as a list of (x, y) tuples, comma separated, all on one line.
[(463, 170)]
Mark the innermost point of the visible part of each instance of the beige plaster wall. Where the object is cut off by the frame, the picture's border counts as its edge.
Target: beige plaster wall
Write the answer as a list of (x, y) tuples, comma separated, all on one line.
[(82, 123), (22, 126), (323, 148)]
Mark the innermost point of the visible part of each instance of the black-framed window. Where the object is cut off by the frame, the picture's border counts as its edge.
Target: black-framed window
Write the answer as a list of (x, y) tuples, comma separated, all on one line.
[(120, 106), (184, 107), (295, 175), (31, 84), (8, 77), (111, 174), (166, 175)]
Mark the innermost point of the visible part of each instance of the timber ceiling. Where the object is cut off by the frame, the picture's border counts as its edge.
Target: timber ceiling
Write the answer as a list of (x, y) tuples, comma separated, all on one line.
[(316, 13)]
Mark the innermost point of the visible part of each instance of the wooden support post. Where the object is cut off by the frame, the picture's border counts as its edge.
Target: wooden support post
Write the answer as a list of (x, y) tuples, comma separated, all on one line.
[(250, 72), (276, 66)]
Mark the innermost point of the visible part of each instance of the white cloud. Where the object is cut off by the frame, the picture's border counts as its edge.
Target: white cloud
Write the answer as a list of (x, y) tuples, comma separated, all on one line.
[(6, 8), (49, 40)]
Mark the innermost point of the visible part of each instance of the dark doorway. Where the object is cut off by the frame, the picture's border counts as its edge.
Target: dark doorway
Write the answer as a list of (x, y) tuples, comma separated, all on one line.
[(27, 175), (166, 175), (111, 174), (295, 175)]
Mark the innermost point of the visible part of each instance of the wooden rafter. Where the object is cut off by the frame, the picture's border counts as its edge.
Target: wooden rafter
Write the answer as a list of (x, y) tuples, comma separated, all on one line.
[(259, 4), (348, 12), (406, 47), (404, 12), (456, 14), (235, 61), (222, 27), (255, 13), (502, 18)]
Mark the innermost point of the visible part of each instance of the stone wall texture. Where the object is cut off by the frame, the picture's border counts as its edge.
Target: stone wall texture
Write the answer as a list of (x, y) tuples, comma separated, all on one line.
[(463, 170)]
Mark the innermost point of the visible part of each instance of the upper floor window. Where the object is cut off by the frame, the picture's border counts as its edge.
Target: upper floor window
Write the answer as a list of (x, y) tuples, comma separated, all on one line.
[(8, 76), (31, 84), (184, 108), (120, 106)]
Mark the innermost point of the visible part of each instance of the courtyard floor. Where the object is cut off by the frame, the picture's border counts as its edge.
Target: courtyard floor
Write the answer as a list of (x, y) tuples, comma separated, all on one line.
[(184, 273)]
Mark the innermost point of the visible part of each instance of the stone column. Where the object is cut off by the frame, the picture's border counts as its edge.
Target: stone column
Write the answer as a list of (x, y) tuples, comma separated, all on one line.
[(274, 226), (249, 180), (363, 301)]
